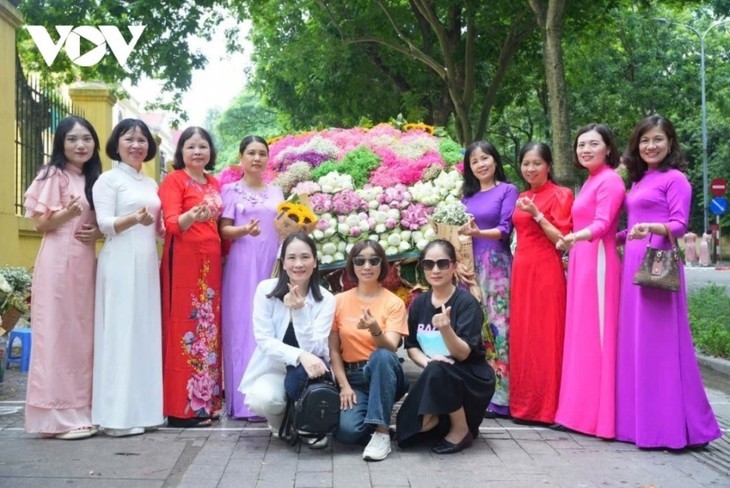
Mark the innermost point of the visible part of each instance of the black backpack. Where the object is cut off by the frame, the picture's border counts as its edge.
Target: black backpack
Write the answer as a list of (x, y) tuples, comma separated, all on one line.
[(314, 414)]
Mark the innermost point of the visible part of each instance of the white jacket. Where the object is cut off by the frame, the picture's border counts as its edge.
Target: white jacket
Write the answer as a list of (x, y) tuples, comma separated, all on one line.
[(312, 324)]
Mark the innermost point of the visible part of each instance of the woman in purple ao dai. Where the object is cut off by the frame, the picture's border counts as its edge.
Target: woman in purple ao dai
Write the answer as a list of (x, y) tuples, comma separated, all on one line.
[(249, 209), (660, 399), (491, 199)]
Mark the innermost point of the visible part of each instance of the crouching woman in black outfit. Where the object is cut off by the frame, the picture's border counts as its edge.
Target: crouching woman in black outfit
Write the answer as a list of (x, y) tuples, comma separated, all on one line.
[(448, 401)]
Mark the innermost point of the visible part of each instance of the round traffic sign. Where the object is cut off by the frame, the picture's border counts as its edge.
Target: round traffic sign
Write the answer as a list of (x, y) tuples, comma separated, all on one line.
[(718, 205), (718, 186)]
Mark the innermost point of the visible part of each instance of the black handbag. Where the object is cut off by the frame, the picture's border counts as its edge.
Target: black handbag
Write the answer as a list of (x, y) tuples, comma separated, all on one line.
[(660, 267)]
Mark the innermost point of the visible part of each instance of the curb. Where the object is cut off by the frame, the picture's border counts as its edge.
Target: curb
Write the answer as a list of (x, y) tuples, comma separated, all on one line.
[(719, 365)]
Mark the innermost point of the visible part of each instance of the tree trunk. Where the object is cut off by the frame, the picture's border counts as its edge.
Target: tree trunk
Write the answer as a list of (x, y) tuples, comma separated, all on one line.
[(550, 16)]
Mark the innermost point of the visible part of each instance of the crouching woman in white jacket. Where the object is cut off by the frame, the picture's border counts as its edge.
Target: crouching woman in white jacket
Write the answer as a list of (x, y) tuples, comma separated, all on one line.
[(292, 318)]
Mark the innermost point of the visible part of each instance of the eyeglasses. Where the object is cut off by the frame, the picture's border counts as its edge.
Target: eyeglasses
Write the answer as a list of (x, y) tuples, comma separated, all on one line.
[(441, 264), (360, 261)]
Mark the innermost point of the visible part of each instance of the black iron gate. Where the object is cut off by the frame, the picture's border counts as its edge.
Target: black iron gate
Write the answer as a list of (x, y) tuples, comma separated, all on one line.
[(38, 112)]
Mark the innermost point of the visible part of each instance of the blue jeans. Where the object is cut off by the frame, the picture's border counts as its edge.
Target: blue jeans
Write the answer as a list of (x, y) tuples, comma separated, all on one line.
[(377, 387), (296, 380)]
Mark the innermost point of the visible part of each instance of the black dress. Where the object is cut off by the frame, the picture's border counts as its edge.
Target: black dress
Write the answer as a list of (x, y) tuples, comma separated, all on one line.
[(443, 388)]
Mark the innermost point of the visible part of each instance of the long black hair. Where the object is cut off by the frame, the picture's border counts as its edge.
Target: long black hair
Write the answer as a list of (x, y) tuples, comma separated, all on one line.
[(471, 183), (178, 162), (91, 168), (281, 289), (632, 157)]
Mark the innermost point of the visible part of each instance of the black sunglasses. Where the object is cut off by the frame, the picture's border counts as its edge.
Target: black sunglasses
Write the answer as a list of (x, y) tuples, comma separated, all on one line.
[(360, 261), (441, 264)]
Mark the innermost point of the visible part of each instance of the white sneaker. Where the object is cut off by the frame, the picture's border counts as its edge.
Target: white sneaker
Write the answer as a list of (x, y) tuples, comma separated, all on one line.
[(378, 448)]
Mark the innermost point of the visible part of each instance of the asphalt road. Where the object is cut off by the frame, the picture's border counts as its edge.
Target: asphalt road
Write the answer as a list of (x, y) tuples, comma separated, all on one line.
[(700, 277)]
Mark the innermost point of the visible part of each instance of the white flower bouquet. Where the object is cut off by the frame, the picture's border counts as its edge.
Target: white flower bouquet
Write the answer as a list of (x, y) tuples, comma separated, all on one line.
[(447, 219)]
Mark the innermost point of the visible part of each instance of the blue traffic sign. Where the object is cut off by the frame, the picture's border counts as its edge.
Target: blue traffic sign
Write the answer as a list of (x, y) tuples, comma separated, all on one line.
[(718, 205)]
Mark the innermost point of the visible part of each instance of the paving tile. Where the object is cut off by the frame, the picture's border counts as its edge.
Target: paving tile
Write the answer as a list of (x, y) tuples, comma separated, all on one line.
[(243, 455), (313, 480)]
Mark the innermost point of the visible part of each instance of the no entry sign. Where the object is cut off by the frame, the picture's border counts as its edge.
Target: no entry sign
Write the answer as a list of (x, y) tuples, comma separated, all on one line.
[(718, 186)]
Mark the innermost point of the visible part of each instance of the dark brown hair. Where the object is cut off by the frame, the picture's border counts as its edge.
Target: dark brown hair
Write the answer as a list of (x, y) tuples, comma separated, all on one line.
[(178, 162), (612, 158), (128, 125), (471, 184), (251, 139), (632, 157), (543, 150)]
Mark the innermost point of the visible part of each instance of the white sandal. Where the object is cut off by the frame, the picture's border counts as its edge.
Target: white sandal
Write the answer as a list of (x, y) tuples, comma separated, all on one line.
[(80, 433)]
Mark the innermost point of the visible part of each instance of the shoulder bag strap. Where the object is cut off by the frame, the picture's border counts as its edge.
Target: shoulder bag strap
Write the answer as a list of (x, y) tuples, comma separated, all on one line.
[(671, 238)]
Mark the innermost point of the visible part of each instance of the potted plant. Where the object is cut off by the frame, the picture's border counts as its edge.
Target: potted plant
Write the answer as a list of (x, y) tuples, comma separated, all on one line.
[(14, 295)]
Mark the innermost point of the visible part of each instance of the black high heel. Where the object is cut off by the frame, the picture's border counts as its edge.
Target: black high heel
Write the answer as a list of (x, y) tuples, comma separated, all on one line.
[(446, 447)]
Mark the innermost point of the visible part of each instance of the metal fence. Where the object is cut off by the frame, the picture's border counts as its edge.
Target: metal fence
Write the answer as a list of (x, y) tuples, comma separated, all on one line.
[(38, 111)]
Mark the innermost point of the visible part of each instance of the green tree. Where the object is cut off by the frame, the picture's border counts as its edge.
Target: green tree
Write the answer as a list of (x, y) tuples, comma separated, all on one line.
[(551, 17), (246, 115), (161, 53), (442, 59), (633, 66)]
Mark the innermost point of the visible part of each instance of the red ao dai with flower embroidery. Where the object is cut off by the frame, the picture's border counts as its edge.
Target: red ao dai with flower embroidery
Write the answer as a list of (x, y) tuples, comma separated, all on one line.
[(191, 273)]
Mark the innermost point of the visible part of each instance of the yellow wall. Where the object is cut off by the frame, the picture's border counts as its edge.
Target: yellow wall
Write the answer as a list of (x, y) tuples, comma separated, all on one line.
[(19, 242)]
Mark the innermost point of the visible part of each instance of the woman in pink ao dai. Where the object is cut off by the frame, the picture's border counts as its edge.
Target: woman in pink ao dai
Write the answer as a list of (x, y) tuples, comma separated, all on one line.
[(587, 385)]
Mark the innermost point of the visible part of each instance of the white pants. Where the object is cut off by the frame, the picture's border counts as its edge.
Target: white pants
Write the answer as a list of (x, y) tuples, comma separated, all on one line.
[(268, 399)]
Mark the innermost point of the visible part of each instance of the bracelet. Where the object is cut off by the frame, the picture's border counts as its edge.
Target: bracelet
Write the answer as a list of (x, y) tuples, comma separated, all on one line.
[(539, 217), (378, 334)]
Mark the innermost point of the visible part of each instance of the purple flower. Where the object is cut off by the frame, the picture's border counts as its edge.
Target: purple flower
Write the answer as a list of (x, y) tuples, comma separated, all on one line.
[(188, 337), (312, 158)]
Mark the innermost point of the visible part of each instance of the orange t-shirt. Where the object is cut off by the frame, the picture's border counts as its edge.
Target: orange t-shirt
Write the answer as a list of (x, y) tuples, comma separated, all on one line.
[(357, 344)]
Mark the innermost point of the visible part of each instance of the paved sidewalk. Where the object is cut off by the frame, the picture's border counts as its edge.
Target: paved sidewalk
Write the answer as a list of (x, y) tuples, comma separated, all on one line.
[(238, 454)]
